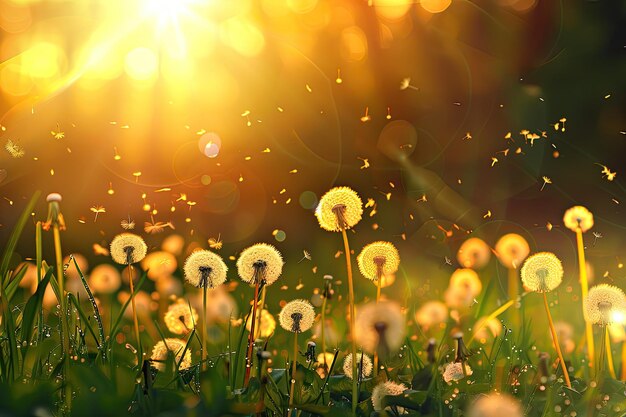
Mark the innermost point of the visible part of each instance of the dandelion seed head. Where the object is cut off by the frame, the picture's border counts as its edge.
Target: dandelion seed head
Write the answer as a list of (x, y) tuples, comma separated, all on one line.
[(578, 216), (378, 258), (542, 272), (297, 316), (380, 327), (177, 347), (512, 249), (454, 371), (205, 268), (384, 389), (495, 404), (364, 365), (339, 205), (605, 304), (260, 261), (474, 253), (128, 248), (180, 318)]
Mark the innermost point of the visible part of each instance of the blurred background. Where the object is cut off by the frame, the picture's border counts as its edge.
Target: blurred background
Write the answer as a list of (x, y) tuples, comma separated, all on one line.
[(224, 122)]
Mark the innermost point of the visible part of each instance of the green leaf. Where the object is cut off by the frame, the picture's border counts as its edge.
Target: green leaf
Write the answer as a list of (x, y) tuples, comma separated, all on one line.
[(15, 235), (120, 315), (31, 309)]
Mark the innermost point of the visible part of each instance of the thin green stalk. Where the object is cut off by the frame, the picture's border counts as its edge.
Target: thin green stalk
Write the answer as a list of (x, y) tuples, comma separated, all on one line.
[(355, 388), (39, 260), (65, 333), (96, 310)]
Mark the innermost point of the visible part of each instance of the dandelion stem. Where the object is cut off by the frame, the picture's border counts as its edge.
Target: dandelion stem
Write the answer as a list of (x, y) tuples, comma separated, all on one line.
[(65, 333), (135, 320), (513, 288), (294, 363), (252, 330), (582, 267), (623, 372), (322, 326), (346, 245), (609, 354), (555, 339), (203, 349), (377, 300), (39, 260)]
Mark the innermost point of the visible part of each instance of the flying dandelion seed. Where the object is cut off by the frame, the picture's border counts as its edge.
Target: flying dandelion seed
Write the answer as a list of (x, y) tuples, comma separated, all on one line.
[(97, 210), (14, 149), (58, 134), (127, 224)]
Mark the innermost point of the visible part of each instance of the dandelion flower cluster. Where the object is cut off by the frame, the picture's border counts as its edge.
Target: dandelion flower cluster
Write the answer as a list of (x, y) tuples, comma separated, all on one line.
[(474, 253), (339, 208), (378, 259), (380, 327), (542, 272), (128, 248), (383, 389), (180, 318), (605, 304), (261, 262), (105, 279), (265, 327), (454, 371), (495, 404), (364, 365), (512, 249), (177, 347), (297, 316), (204, 268), (578, 217)]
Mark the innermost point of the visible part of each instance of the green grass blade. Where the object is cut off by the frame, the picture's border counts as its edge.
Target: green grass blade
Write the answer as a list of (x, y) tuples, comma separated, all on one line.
[(120, 314), (33, 306), (15, 235)]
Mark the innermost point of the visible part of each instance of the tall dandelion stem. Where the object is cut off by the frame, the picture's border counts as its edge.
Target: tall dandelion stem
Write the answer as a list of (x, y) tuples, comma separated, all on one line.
[(379, 273), (323, 331), (556, 342), (352, 317), (609, 354), (135, 320), (582, 267), (39, 260), (294, 364), (513, 288), (251, 335), (203, 348)]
